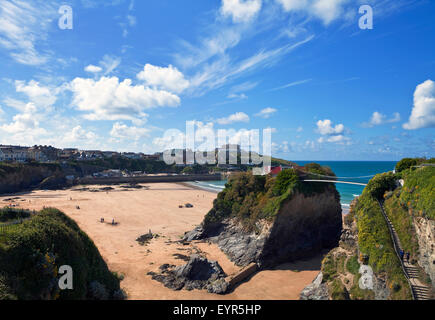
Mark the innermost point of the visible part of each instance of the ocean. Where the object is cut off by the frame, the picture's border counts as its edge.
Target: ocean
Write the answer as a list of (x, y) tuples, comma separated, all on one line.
[(359, 170)]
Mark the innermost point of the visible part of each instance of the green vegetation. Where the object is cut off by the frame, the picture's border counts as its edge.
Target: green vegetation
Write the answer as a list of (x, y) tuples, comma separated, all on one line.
[(250, 198), (352, 265), (409, 163), (33, 251), (418, 193), (15, 177), (374, 239), (11, 214)]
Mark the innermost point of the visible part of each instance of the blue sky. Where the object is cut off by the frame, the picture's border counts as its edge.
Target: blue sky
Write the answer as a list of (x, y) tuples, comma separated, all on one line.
[(128, 71)]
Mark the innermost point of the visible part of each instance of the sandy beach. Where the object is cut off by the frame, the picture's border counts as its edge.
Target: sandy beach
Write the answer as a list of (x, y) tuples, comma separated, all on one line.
[(155, 207)]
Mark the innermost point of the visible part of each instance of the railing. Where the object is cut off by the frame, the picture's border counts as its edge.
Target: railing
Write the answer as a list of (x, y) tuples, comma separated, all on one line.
[(9, 225), (397, 249)]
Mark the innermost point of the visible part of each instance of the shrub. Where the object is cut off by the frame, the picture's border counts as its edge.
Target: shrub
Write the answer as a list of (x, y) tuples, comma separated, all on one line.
[(33, 251)]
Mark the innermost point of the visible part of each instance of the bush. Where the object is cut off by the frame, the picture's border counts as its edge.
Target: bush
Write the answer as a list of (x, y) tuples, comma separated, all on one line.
[(379, 184), (7, 214), (32, 253), (405, 164), (249, 197)]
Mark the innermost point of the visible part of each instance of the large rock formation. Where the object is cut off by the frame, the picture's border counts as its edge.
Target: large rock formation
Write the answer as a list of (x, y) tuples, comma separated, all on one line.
[(425, 231), (198, 273), (302, 225)]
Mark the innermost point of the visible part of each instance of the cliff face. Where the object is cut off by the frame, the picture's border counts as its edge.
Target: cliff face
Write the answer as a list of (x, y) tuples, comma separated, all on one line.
[(303, 226), (365, 265), (269, 227), (343, 274), (425, 231)]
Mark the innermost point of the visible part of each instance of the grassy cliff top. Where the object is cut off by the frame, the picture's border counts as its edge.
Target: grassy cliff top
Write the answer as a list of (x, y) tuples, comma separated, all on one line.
[(32, 252), (250, 198)]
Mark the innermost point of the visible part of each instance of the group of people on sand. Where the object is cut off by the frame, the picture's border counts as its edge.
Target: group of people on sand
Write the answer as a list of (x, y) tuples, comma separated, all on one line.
[(404, 256), (113, 221)]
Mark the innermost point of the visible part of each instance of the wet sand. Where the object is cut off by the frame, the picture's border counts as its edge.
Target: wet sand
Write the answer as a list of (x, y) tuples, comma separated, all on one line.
[(156, 208)]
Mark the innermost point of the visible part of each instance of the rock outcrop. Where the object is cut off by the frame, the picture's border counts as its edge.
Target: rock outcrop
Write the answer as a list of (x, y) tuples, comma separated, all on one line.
[(317, 290), (303, 227), (425, 231), (198, 273)]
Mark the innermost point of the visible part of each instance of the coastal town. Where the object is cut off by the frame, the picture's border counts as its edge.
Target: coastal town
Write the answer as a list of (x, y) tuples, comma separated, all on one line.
[(50, 154)]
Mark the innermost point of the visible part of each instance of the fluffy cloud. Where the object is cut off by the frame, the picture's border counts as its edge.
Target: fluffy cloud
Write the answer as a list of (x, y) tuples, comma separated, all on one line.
[(379, 118), (240, 10), (283, 147), (109, 99), (334, 139), (331, 133), (325, 10), (236, 117), (266, 113), (124, 132), (42, 97), (325, 127), (25, 127), (79, 134), (164, 78), (93, 69), (423, 112)]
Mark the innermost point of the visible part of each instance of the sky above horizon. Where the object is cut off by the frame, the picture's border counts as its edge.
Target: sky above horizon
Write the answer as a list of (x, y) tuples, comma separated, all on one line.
[(130, 70)]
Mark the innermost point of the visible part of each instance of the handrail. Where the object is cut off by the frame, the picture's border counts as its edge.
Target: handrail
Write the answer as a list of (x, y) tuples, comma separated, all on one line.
[(396, 249)]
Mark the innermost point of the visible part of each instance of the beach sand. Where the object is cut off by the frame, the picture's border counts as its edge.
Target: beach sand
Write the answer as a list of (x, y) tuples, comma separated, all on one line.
[(156, 208)]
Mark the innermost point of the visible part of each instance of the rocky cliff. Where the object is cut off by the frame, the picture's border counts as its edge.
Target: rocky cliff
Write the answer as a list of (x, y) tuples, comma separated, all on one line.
[(272, 220), (365, 266), (425, 231)]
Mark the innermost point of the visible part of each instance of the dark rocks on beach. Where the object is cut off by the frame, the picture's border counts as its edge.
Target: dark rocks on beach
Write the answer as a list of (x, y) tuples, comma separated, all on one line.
[(199, 273), (315, 290), (146, 238), (195, 234)]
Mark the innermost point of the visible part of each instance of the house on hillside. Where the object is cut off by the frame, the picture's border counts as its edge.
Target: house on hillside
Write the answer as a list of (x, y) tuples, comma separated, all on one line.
[(14, 154)]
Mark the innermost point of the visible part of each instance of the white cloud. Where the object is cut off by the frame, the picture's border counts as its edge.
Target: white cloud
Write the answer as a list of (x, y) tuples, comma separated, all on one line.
[(123, 132), (379, 118), (110, 63), (236, 117), (164, 78), (109, 99), (24, 24), (41, 96), (240, 96), (325, 127), (331, 133), (25, 124), (93, 69), (245, 86), (283, 147), (325, 10), (78, 134), (291, 84), (240, 10), (423, 112), (335, 139), (266, 113)]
